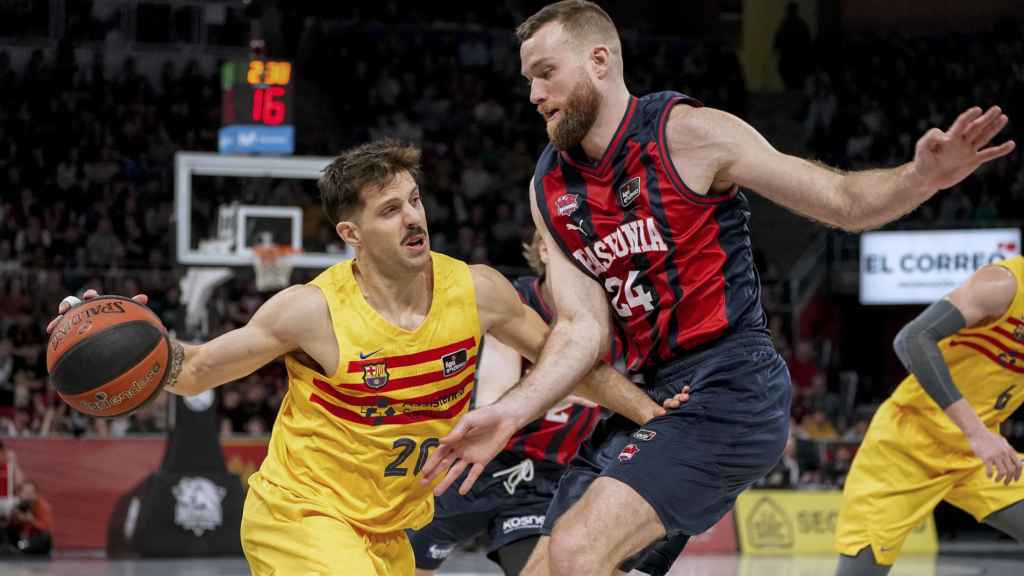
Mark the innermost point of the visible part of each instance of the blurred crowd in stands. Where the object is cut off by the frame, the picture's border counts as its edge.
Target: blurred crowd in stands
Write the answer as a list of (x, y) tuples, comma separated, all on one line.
[(87, 184)]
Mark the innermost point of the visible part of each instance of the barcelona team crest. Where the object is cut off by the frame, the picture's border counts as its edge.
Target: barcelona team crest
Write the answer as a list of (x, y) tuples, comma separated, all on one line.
[(375, 375)]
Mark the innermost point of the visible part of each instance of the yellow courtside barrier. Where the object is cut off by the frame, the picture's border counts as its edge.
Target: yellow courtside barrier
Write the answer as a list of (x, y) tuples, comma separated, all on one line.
[(782, 522)]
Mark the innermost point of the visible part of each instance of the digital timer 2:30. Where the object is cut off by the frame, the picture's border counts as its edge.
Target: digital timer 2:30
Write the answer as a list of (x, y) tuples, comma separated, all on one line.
[(256, 104)]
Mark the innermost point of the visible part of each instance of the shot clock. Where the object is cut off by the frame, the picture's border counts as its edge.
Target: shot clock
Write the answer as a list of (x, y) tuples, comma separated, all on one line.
[(256, 107)]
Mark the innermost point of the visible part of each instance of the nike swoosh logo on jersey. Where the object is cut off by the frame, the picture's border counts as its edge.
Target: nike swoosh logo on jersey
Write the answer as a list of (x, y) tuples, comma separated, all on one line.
[(365, 356)]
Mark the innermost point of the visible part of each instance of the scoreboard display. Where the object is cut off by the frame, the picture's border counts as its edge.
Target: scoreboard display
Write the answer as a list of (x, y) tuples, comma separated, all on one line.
[(256, 107)]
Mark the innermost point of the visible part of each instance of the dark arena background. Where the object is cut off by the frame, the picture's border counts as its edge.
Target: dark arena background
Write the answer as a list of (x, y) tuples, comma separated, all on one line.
[(171, 147)]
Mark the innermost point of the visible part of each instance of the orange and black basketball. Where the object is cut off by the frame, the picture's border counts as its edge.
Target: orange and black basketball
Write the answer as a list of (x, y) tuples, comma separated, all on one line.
[(108, 356)]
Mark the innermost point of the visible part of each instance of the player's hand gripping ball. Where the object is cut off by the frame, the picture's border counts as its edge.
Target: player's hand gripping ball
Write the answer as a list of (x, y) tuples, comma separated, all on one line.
[(108, 356)]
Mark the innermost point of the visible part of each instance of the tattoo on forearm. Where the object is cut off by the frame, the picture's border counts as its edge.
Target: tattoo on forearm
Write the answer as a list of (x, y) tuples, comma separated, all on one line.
[(177, 361)]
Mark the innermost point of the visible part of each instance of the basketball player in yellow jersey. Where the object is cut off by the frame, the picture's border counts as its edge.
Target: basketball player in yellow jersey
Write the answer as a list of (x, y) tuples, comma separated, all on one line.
[(381, 353), (937, 437)]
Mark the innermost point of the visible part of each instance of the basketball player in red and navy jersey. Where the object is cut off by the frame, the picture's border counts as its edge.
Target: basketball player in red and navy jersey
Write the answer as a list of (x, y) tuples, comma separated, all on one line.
[(639, 202), (511, 500)]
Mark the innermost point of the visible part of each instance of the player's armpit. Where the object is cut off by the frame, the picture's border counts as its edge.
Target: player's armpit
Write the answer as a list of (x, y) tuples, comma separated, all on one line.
[(278, 327)]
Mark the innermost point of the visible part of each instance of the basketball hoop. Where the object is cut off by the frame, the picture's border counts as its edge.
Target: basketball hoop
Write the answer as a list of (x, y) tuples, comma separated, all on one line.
[(273, 266)]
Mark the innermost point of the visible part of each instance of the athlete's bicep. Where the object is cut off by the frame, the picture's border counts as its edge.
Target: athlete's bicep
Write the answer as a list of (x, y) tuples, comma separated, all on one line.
[(985, 296), (499, 370), (274, 330), (505, 316), (733, 151)]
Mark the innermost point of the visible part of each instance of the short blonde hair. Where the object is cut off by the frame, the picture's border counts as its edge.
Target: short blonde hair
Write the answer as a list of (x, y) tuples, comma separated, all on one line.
[(531, 251), (579, 18)]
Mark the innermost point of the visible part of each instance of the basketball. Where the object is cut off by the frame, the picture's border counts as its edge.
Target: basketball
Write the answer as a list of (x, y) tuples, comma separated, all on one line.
[(108, 356)]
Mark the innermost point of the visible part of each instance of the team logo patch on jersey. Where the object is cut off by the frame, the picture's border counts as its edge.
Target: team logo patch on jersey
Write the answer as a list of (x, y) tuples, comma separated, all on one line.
[(375, 375), (644, 435), (629, 191), (1018, 331), (567, 204), (628, 452), (454, 362)]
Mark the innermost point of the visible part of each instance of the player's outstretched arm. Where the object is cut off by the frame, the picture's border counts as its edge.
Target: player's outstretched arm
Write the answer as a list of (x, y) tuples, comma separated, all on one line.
[(982, 299), (734, 152), (275, 329)]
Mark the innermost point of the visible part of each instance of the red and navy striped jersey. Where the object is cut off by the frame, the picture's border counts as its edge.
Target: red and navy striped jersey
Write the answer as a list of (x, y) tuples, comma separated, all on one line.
[(677, 266), (557, 435)]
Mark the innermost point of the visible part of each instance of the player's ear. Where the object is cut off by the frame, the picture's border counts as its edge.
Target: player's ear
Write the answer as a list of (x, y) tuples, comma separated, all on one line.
[(600, 60), (348, 231)]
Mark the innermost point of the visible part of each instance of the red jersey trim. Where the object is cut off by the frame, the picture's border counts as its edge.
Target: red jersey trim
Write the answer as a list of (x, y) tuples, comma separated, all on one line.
[(410, 381), (988, 353), (415, 358), (406, 418), (373, 400)]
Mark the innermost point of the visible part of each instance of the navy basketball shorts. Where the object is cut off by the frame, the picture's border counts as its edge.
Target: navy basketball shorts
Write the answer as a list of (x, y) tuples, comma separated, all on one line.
[(508, 502), (691, 463)]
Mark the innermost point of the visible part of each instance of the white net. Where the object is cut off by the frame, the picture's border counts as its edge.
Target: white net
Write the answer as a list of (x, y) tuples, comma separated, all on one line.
[(273, 266)]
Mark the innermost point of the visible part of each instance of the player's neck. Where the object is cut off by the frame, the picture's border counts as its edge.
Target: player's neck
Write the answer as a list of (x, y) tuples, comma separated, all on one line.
[(396, 297), (613, 108)]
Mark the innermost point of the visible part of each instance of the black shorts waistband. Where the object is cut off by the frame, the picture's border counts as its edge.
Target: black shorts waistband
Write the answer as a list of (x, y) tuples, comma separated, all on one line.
[(741, 341)]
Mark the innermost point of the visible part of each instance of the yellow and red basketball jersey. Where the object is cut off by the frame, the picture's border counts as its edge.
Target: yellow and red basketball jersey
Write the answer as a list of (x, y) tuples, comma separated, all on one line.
[(353, 443), (987, 365)]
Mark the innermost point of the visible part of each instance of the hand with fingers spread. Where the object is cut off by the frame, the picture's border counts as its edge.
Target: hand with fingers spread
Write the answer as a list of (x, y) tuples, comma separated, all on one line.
[(480, 435), (474, 441), (943, 159), (69, 302), (1002, 463)]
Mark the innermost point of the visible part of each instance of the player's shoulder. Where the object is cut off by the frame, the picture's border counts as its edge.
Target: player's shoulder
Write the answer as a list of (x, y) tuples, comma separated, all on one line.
[(997, 276), (296, 314), (988, 293), (697, 124), (653, 104), (485, 278), (301, 302), (494, 293)]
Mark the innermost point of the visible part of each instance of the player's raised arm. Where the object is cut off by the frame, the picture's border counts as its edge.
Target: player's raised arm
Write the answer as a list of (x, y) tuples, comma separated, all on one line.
[(734, 152), (281, 325), (982, 299)]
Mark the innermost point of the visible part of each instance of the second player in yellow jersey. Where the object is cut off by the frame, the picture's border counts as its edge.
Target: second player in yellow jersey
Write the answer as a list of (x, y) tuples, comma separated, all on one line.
[(937, 437)]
